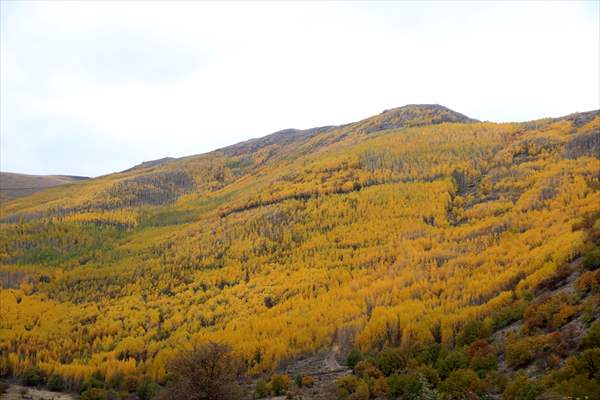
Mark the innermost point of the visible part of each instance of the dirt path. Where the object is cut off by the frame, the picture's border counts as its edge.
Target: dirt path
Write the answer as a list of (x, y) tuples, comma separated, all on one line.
[(16, 392)]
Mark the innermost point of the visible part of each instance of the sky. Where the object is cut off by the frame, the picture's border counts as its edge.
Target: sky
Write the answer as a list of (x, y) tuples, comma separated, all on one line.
[(92, 87)]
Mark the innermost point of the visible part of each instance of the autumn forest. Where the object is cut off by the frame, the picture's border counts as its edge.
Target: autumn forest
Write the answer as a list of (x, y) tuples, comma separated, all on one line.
[(432, 255)]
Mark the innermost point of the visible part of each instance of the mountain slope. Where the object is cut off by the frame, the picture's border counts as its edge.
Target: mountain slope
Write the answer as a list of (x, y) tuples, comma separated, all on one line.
[(18, 185), (151, 163), (397, 230)]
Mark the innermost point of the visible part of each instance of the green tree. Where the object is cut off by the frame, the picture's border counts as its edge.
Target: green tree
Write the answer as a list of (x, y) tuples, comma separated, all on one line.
[(578, 387), (147, 389), (455, 360), (33, 376), (592, 339), (592, 260), (409, 387), (391, 360), (353, 358), (473, 331), (56, 383)]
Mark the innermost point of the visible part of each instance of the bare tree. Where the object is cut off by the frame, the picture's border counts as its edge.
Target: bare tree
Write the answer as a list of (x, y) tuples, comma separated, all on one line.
[(206, 372)]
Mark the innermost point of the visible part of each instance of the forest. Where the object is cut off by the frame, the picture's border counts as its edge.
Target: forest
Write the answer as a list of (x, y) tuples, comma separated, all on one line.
[(446, 258)]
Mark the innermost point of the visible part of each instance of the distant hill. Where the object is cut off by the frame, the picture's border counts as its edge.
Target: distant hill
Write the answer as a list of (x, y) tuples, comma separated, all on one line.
[(13, 185)]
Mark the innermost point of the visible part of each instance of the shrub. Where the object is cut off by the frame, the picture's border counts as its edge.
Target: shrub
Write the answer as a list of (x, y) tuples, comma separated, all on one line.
[(462, 384), (262, 389), (587, 363), (96, 381), (480, 347), (589, 281), (579, 377), (99, 376), (380, 387), (280, 383), (541, 315), (346, 385), (33, 376), (429, 354), (366, 370), (564, 315), (509, 314), (522, 388), (483, 357), (590, 309), (56, 383), (118, 381), (520, 352), (484, 364), (307, 381), (130, 383), (94, 394), (455, 360), (550, 348), (496, 382), (592, 260), (298, 380), (430, 374), (361, 393)]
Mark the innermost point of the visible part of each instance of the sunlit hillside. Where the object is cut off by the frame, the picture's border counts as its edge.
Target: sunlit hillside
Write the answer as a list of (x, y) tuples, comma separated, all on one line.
[(396, 231)]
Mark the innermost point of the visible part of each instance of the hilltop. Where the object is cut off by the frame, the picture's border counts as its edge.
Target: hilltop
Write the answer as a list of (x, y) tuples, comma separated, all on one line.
[(418, 239)]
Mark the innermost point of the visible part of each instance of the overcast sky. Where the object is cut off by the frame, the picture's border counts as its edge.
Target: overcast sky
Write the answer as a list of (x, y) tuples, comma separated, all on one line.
[(89, 88)]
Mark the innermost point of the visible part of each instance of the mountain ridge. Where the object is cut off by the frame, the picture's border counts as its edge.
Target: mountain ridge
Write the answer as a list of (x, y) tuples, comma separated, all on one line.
[(281, 145), (291, 133)]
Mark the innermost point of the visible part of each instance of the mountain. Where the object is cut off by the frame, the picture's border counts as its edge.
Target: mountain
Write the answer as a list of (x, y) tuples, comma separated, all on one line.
[(449, 255), (18, 185)]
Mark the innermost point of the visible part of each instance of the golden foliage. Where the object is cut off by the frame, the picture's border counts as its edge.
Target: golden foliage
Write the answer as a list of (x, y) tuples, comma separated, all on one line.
[(390, 234)]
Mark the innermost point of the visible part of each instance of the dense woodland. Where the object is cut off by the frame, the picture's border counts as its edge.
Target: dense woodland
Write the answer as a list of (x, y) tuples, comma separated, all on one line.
[(447, 257)]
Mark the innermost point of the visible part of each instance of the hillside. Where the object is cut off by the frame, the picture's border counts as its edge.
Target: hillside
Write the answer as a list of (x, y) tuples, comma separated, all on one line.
[(19, 185), (405, 231)]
